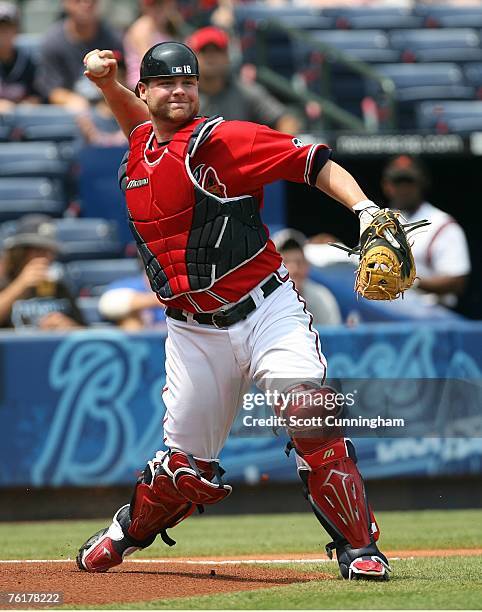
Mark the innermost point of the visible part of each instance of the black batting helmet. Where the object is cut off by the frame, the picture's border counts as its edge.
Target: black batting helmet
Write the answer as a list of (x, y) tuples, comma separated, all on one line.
[(168, 59)]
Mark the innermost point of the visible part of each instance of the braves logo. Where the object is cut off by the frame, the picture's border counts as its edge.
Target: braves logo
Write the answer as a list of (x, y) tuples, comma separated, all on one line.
[(208, 179)]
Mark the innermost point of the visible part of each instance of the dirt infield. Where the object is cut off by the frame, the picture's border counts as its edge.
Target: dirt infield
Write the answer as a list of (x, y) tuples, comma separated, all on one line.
[(391, 554), (142, 582), (138, 580)]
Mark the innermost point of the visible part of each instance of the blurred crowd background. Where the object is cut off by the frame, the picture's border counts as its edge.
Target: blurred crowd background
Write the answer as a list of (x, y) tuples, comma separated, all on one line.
[(319, 70)]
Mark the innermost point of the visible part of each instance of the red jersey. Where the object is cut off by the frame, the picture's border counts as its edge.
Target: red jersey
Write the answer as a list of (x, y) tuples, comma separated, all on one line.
[(238, 159)]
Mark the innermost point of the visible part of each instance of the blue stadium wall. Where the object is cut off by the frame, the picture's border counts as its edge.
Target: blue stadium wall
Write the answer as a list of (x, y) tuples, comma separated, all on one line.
[(85, 409)]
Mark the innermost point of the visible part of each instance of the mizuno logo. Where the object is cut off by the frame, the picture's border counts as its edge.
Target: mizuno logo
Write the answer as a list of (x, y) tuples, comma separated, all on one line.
[(329, 453), (106, 552), (133, 183)]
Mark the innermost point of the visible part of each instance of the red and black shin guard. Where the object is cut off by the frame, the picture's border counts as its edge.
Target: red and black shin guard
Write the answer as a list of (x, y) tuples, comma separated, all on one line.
[(168, 491), (334, 487)]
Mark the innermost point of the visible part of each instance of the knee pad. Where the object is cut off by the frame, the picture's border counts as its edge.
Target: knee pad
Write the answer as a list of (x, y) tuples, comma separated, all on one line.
[(156, 506), (192, 478), (305, 410)]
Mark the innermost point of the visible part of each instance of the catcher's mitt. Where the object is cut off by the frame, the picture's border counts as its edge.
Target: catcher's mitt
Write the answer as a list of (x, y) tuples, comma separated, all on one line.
[(386, 267)]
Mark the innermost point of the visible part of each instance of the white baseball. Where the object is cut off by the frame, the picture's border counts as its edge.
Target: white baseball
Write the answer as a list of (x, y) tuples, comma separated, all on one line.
[(96, 66)]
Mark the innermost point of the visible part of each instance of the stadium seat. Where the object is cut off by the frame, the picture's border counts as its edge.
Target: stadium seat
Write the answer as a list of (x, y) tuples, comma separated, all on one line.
[(35, 159), (257, 11), (57, 133), (30, 195), (417, 82), (386, 18), (346, 85), (45, 122), (89, 307), (444, 16), (445, 115), (88, 239), (251, 21), (385, 22), (473, 76), (445, 45), (5, 132), (365, 45), (303, 22), (463, 125), (89, 278)]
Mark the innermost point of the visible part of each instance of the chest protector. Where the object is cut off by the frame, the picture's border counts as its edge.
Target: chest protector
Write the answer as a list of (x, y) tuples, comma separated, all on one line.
[(187, 237)]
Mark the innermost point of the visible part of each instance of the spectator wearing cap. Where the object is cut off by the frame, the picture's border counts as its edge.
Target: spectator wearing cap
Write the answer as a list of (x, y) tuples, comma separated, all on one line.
[(32, 293), (320, 301), (440, 252), (160, 21), (60, 76), (223, 93), (17, 69)]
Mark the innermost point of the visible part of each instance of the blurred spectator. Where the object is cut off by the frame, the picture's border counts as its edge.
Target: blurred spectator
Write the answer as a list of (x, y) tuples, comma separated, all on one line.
[(131, 304), (17, 69), (98, 126), (320, 301), (222, 93), (32, 293), (60, 76), (223, 15), (440, 251), (319, 252), (159, 21)]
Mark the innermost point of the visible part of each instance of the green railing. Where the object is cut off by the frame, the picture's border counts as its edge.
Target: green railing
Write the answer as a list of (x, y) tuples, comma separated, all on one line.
[(331, 111), (283, 88)]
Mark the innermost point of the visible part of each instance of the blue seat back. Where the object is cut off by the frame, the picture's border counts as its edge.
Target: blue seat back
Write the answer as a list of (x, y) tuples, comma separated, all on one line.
[(88, 238), (91, 277), (30, 195)]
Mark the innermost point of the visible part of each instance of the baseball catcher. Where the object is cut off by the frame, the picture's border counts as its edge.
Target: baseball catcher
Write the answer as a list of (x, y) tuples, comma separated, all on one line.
[(386, 268), (194, 190)]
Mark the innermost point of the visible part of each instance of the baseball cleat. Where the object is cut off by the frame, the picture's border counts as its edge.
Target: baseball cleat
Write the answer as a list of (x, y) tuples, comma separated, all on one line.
[(106, 548), (366, 563), (369, 568)]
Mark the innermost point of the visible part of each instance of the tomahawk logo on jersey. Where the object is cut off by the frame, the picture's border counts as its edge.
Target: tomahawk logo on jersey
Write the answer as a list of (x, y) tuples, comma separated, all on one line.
[(207, 177)]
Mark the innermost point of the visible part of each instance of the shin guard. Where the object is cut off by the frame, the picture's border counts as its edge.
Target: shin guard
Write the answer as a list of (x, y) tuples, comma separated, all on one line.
[(333, 485), (336, 492)]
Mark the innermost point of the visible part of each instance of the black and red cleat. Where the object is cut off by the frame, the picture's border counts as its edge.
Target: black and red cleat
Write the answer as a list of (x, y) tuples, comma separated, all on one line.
[(366, 563), (368, 568), (98, 553), (106, 548)]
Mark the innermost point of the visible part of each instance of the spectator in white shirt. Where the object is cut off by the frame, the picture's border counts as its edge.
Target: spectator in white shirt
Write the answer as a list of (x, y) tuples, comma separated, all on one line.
[(320, 301), (441, 252)]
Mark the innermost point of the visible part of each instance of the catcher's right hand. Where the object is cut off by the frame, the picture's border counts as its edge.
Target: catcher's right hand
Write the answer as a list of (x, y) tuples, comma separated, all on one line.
[(109, 60)]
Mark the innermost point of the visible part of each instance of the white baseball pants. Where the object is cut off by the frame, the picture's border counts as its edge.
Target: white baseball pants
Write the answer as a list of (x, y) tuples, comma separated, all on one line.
[(208, 370)]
